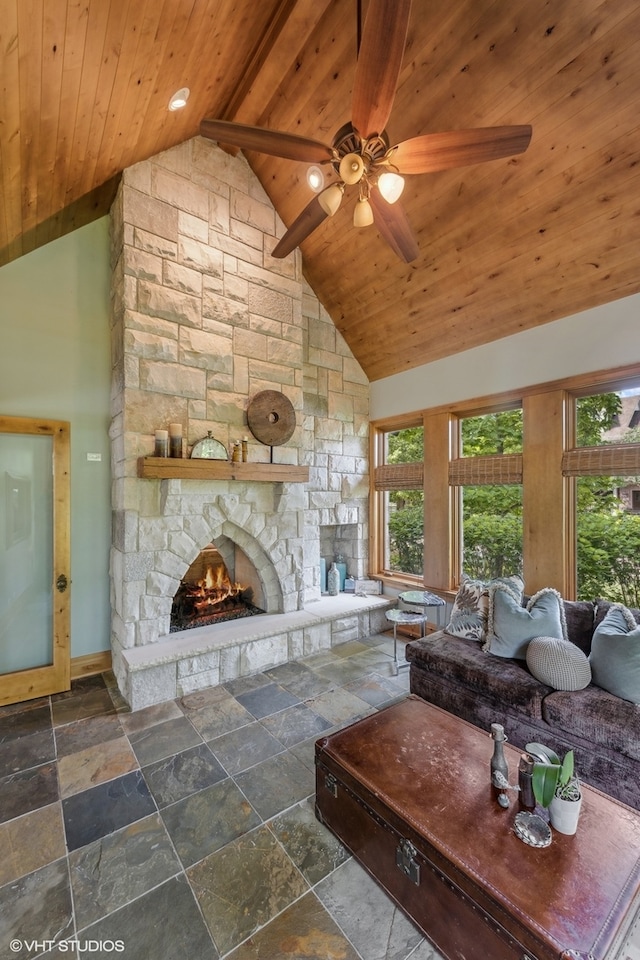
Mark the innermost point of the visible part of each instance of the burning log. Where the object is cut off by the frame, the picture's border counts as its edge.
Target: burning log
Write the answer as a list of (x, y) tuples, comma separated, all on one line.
[(213, 598)]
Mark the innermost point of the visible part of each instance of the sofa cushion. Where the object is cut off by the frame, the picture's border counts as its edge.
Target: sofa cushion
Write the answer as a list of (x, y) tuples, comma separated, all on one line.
[(511, 626), (602, 608), (615, 654), (470, 610), (461, 661), (558, 663), (596, 716), (579, 616)]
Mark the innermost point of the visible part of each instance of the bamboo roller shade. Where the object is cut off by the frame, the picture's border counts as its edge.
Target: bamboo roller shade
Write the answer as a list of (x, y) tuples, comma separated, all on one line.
[(610, 460), (614, 459)]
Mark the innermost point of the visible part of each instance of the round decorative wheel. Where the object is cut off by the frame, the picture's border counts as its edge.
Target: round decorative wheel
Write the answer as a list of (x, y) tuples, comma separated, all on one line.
[(271, 417)]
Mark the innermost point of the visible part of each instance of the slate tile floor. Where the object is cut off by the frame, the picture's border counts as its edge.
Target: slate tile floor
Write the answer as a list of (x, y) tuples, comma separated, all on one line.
[(187, 830)]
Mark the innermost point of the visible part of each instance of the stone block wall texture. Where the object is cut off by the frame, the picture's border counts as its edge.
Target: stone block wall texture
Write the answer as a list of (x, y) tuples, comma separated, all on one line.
[(203, 318)]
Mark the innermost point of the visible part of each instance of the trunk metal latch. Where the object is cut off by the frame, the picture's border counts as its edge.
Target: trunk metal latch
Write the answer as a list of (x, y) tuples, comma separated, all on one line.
[(406, 855), (331, 784)]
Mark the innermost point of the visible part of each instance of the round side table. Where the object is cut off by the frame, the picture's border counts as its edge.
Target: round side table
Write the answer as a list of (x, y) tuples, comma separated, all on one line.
[(395, 617), (424, 599)]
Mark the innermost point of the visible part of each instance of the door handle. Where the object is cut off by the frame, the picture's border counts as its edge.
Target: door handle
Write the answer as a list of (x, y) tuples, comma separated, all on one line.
[(62, 583)]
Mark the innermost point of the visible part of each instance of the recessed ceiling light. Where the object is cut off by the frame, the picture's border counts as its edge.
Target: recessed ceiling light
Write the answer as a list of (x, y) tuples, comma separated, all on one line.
[(315, 178), (179, 99)]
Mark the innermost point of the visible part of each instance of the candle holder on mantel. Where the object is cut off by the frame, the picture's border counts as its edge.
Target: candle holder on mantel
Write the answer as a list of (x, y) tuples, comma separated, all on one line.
[(162, 443), (175, 440)]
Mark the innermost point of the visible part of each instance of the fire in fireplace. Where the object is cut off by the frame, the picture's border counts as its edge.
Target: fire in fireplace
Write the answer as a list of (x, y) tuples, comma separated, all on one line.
[(208, 594)]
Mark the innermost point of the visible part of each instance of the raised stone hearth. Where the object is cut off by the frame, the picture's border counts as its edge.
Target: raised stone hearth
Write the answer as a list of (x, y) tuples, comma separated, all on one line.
[(203, 319), (207, 656)]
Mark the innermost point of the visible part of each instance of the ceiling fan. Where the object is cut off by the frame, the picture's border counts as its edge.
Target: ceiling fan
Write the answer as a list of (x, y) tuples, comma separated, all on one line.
[(361, 154)]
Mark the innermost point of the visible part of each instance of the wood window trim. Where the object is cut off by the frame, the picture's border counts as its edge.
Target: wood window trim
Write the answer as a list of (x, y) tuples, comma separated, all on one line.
[(548, 496)]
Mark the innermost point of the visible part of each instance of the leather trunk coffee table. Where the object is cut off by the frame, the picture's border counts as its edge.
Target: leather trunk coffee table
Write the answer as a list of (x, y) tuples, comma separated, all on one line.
[(407, 791)]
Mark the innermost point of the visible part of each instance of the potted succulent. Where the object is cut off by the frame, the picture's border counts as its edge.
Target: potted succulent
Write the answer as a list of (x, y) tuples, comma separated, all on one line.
[(556, 786)]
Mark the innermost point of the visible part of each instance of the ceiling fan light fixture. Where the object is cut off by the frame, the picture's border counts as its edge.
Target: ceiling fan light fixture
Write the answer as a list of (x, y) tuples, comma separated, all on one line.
[(351, 168), (362, 214), (390, 186), (331, 198), (315, 178), (179, 99)]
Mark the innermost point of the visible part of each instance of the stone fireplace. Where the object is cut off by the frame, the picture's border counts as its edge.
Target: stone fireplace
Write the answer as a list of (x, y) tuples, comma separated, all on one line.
[(203, 319)]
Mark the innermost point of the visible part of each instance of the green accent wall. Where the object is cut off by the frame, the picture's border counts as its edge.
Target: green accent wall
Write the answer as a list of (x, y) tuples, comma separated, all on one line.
[(55, 362)]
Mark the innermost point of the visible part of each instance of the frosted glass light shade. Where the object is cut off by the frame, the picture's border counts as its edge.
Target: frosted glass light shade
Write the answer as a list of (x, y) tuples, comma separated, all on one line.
[(363, 214), (351, 168), (390, 186), (331, 198)]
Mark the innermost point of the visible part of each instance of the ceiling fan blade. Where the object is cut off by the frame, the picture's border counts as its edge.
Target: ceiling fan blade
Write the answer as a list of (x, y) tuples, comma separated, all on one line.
[(457, 148), (393, 226), (273, 142), (384, 37), (304, 224)]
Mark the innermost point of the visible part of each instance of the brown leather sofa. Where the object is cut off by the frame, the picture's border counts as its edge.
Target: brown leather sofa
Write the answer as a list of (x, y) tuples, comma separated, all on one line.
[(604, 730)]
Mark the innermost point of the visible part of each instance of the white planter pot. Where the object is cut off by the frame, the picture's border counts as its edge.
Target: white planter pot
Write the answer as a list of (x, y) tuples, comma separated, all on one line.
[(564, 814)]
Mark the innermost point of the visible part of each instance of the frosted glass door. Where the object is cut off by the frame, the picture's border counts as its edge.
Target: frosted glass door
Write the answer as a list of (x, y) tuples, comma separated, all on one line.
[(33, 543), (26, 553)]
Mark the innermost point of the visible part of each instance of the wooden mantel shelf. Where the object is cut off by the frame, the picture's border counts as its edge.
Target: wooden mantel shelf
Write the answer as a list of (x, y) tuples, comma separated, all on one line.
[(170, 468)]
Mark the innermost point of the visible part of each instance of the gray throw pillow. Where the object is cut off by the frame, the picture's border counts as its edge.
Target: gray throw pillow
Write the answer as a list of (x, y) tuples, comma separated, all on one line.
[(558, 663), (511, 626), (470, 611), (615, 654)]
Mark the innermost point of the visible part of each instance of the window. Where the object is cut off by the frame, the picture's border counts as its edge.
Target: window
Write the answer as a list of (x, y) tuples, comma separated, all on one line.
[(607, 532), (491, 433), (491, 509), (544, 482), (491, 531), (400, 501)]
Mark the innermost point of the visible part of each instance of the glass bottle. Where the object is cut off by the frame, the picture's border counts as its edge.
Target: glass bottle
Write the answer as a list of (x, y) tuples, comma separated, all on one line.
[(499, 766), (342, 569), (333, 581)]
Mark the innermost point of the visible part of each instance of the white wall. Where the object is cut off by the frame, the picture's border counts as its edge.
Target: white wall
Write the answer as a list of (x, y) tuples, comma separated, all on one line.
[(597, 339), (55, 363)]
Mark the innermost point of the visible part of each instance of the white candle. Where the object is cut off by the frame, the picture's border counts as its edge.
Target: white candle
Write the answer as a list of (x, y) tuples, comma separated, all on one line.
[(162, 443), (175, 439)]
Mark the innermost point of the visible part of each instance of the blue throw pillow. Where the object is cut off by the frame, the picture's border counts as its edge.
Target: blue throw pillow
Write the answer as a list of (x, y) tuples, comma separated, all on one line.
[(512, 626), (615, 654)]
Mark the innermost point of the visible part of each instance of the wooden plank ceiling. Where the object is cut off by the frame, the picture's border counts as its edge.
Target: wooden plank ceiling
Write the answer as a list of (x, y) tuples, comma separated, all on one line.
[(504, 245)]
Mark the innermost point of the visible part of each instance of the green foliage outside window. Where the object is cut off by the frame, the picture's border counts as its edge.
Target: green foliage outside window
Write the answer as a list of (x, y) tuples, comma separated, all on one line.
[(492, 514), (608, 536), (406, 507)]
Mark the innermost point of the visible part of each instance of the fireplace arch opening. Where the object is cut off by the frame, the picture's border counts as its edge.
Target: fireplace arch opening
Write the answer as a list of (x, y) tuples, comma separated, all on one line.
[(221, 584)]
